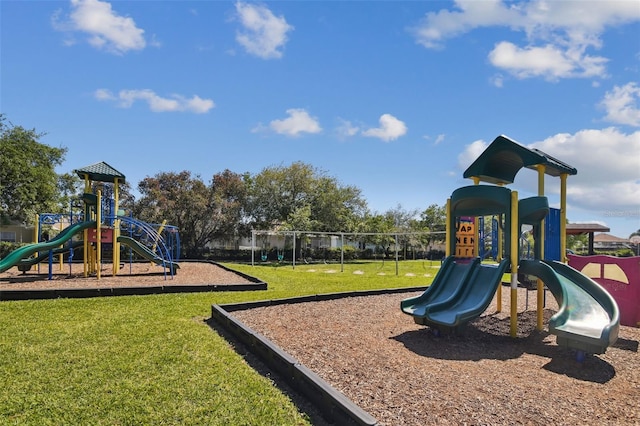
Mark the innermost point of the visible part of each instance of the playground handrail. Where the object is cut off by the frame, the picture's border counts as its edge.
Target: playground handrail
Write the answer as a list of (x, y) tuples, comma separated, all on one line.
[(150, 232)]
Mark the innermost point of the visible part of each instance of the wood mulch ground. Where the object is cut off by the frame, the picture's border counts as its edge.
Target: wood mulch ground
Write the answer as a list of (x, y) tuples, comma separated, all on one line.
[(134, 274), (402, 374)]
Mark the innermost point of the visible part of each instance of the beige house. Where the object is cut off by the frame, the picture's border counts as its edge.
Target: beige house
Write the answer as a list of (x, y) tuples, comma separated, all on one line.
[(16, 233), (606, 241)]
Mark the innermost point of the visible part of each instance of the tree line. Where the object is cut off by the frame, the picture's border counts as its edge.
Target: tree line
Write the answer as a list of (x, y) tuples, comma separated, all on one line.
[(225, 208)]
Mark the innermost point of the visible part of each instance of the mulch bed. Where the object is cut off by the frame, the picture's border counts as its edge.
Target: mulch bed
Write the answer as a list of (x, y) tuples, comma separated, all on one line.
[(402, 374)]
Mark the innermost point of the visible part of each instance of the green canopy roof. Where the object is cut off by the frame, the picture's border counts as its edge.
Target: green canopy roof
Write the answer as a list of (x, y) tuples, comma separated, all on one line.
[(100, 172), (503, 159)]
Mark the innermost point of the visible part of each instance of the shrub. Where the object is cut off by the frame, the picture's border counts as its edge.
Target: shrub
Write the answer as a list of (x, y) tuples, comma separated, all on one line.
[(7, 247)]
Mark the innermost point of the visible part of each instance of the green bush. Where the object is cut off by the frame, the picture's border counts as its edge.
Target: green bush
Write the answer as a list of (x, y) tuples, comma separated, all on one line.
[(7, 247), (625, 253)]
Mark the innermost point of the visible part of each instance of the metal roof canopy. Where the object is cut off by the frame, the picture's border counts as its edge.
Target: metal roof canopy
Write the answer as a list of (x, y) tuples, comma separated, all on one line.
[(502, 160), (100, 172), (585, 228)]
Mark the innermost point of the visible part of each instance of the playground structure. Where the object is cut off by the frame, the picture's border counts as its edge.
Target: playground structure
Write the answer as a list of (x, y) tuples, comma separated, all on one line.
[(588, 317), (102, 226)]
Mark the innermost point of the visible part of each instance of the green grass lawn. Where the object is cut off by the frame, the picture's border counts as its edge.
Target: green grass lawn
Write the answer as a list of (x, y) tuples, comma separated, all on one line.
[(152, 359)]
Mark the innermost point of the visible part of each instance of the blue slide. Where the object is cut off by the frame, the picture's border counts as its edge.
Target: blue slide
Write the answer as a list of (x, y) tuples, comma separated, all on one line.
[(588, 318), (20, 255), (460, 292)]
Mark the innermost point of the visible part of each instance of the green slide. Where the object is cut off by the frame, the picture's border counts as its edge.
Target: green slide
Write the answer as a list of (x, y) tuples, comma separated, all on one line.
[(448, 281), (144, 251), (588, 318), (25, 264), (16, 256), (462, 292)]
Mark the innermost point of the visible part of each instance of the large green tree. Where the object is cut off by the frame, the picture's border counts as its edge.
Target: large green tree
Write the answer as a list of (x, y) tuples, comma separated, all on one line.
[(434, 220), (304, 198), (202, 213), (29, 183), (228, 202)]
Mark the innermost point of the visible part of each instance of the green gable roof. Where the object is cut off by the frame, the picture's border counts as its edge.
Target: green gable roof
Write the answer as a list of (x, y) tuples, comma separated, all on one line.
[(100, 172), (503, 159)]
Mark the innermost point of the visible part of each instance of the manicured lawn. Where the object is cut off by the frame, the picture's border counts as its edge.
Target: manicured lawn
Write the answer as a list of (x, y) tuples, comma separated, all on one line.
[(152, 359)]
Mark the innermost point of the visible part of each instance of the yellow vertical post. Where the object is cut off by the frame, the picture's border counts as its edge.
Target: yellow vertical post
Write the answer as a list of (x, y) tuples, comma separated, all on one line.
[(98, 233), (116, 229), (447, 237), (514, 234), (540, 293), (563, 217), (36, 229), (160, 229)]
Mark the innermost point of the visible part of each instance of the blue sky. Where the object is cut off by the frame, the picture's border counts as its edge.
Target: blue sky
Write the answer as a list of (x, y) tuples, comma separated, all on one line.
[(396, 98)]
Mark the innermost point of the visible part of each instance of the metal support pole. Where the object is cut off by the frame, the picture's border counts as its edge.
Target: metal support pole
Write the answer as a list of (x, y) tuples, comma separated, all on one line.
[(341, 252), (396, 238), (253, 245)]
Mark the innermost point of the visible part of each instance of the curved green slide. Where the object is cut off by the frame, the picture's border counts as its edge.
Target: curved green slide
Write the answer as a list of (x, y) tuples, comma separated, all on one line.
[(16, 256), (144, 251), (588, 318), (28, 262)]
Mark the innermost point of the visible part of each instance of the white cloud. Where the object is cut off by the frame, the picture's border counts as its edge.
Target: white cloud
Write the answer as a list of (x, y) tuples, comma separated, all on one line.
[(470, 153), (621, 105), (299, 121), (390, 129), (559, 31), (104, 95), (444, 24), (438, 140), (106, 29), (264, 34), (126, 98), (346, 129), (608, 164), (550, 62)]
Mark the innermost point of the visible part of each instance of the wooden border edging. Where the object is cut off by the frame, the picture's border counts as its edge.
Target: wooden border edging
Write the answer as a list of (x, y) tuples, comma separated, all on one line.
[(333, 405), (77, 293)]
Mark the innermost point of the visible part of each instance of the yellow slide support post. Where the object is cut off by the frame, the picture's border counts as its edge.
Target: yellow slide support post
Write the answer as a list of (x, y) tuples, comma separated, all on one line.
[(514, 235), (563, 217), (540, 293)]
